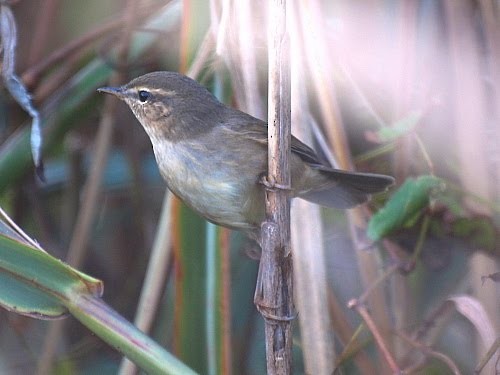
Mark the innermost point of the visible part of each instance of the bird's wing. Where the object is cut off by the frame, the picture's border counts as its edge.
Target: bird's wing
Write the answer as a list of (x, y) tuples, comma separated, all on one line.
[(256, 131), (332, 187), (356, 186)]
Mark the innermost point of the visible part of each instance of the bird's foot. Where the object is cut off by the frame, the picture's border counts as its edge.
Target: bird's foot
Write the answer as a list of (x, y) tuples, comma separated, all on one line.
[(272, 185), (268, 315)]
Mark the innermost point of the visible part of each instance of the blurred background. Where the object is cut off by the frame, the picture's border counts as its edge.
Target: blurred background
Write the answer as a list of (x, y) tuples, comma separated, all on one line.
[(406, 88)]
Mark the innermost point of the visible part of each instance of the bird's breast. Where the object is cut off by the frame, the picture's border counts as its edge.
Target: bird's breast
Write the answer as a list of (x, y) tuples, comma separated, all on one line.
[(207, 181)]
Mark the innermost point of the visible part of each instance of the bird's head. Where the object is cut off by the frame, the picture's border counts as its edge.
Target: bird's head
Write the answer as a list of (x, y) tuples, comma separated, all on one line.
[(168, 104)]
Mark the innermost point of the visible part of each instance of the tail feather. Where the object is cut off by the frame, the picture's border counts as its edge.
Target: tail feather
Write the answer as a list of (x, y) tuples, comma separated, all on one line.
[(348, 189)]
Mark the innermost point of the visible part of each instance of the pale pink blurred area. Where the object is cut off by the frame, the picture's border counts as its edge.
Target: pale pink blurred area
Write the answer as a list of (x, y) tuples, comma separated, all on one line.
[(426, 74), (437, 61)]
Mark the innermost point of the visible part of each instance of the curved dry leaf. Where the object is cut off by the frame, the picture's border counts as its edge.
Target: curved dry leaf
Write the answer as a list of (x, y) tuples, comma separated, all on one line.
[(8, 34), (472, 309)]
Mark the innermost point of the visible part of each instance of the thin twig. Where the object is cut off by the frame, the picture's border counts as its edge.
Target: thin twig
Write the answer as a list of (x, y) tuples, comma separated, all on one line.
[(359, 305), (363, 311), (42, 29), (431, 353), (393, 268), (351, 346), (348, 337), (32, 75), (421, 239), (59, 77)]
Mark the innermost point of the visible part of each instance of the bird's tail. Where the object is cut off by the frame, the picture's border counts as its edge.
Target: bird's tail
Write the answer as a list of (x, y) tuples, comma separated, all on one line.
[(348, 189)]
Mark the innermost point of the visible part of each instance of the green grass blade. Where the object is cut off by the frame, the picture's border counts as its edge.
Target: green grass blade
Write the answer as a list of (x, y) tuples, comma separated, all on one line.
[(125, 337), (36, 284), (191, 276)]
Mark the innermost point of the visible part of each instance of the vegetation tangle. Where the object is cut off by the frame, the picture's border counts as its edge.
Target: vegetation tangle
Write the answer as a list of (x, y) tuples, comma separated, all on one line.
[(406, 283)]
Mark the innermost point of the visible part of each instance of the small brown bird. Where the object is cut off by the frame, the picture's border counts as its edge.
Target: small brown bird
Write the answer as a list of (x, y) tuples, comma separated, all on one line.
[(213, 157)]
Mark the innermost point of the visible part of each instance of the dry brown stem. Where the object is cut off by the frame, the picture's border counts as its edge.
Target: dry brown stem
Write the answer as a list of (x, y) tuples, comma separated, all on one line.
[(274, 291)]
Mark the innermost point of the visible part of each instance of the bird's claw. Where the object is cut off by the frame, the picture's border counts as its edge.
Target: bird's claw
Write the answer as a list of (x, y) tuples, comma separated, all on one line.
[(264, 311), (272, 185)]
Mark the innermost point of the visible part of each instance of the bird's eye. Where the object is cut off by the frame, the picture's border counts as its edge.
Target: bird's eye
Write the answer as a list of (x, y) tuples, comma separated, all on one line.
[(144, 96)]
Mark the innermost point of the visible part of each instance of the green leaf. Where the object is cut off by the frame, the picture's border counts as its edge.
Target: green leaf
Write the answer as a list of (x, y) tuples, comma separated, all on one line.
[(36, 284), (20, 298), (400, 127), (478, 231), (191, 279), (405, 206), (125, 337)]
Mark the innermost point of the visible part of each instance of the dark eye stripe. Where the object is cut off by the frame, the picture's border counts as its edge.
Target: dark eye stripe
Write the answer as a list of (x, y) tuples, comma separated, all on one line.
[(144, 96)]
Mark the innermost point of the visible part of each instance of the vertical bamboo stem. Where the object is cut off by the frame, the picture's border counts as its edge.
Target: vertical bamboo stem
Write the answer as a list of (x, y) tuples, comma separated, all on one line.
[(274, 291)]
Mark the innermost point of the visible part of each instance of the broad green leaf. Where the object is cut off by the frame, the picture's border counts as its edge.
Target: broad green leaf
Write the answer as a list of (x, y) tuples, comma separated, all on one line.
[(36, 284), (23, 299), (125, 337), (404, 207)]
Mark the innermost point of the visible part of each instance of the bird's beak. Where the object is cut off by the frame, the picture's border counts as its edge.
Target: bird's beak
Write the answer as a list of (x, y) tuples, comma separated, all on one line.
[(119, 92)]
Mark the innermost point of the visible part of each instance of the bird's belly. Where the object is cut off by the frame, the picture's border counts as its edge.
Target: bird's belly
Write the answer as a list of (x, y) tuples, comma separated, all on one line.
[(212, 187)]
